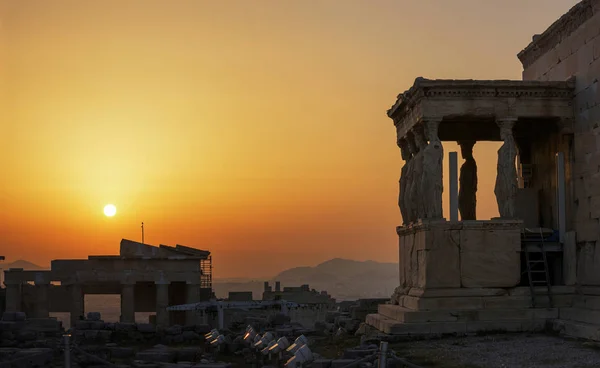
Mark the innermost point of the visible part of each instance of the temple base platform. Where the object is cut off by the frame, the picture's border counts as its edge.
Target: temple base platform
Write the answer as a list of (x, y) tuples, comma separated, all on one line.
[(469, 310)]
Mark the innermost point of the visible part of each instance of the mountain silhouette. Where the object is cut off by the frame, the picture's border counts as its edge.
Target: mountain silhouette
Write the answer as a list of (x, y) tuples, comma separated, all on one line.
[(26, 265), (343, 279)]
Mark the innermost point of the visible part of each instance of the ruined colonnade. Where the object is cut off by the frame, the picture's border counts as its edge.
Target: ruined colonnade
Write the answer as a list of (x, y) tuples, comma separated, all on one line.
[(75, 292)]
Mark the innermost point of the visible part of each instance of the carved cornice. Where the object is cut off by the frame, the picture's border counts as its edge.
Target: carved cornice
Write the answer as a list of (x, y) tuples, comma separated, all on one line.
[(435, 99), (558, 31)]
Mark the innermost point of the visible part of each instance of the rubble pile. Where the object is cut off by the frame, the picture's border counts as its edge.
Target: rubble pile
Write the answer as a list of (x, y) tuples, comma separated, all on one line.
[(18, 331), (94, 330), (348, 318)]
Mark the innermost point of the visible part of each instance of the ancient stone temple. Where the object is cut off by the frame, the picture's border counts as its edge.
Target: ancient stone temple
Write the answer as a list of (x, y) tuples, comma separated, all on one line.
[(470, 275), (148, 278)]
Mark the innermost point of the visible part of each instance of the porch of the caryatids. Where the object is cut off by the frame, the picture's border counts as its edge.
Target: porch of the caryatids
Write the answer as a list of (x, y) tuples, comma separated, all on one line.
[(432, 177), (467, 192), (506, 178), (406, 156)]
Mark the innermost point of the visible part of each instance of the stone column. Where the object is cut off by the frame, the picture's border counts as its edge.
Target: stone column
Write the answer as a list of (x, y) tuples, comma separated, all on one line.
[(406, 156), (417, 204), (42, 306), (467, 192), (192, 296), (128, 302), (432, 179), (162, 302), (506, 178), (77, 303), (13, 296), (408, 201)]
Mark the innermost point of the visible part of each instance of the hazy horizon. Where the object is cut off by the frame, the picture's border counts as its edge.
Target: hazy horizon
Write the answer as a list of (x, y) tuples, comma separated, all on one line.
[(254, 130)]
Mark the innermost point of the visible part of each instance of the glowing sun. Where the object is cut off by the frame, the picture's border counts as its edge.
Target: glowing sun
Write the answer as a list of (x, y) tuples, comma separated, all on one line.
[(110, 210)]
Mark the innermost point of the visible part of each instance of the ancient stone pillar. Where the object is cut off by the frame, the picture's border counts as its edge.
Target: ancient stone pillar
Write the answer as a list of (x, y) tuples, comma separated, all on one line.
[(192, 296), (406, 156), (506, 178), (42, 306), (128, 302), (408, 201), (162, 302), (13, 296), (467, 192), (417, 204), (432, 177), (77, 303)]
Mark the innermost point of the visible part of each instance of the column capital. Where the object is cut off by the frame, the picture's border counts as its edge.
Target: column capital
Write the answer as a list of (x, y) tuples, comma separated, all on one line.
[(431, 119), (506, 121)]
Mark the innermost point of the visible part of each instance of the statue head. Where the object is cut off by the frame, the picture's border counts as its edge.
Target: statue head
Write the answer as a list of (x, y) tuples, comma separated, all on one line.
[(466, 149), (411, 145), (404, 151), (431, 128), (506, 127), (419, 136)]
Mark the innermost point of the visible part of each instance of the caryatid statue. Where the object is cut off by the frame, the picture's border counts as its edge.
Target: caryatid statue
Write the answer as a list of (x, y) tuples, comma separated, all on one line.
[(506, 178), (431, 180), (467, 193), (418, 208), (406, 156), (408, 201)]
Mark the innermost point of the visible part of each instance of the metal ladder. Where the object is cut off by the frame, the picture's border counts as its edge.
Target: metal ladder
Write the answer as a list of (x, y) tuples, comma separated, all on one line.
[(531, 271)]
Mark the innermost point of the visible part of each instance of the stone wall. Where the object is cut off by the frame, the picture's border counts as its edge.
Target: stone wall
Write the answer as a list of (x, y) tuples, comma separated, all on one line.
[(466, 254), (571, 47)]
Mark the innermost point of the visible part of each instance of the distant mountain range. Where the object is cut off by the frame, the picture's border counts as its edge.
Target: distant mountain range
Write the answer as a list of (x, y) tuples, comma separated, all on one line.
[(343, 279), (26, 265)]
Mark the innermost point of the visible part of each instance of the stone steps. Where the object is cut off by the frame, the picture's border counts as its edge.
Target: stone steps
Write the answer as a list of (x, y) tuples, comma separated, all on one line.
[(393, 327), (405, 315), (519, 301), (580, 315), (575, 329)]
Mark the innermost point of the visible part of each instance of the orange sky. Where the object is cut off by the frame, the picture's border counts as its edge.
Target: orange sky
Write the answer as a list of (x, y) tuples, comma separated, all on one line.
[(254, 129)]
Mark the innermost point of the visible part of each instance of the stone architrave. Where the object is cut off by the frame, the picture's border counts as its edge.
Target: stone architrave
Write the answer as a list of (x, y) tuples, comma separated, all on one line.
[(432, 179), (418, 208), (408, 201), (467, 193), (406, 156), (506, 178)]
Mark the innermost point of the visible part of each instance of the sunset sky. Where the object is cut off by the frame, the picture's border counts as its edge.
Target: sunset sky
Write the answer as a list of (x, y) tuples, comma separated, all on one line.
[(254, 129)]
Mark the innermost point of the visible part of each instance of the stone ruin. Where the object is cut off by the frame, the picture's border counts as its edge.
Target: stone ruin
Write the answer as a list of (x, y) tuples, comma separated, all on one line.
[(148, 278), (469, 275)]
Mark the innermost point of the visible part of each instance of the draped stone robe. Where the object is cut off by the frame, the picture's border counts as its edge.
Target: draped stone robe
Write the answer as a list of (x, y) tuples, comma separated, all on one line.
[(467, 194), (506, 179), (431, 180)]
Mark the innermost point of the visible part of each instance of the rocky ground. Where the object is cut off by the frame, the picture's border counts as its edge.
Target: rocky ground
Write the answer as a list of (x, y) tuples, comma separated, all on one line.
[(501, 351)]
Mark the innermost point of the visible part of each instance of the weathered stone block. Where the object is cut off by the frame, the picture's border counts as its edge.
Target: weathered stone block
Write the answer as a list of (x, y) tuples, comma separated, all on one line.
[(157, 355), (121, 352), (147, 328), (174, 330), (587, 231), (94, 316), (123, 326)]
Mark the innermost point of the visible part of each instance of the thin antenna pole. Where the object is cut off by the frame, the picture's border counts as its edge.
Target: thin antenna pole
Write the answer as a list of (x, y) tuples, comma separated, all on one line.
[(142, 233)]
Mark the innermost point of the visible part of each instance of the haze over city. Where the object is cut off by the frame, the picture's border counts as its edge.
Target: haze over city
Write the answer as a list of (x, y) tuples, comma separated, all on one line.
[(256, 130)]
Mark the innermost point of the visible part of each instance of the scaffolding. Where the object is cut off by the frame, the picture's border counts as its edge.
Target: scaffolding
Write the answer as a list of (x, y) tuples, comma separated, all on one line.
[(206, 276)]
